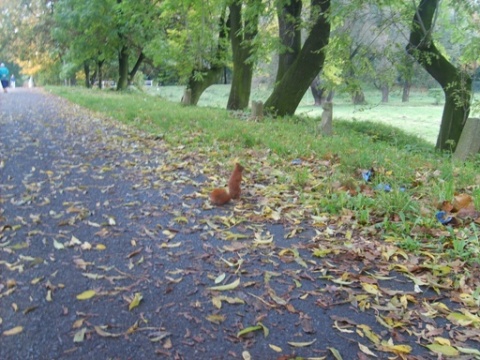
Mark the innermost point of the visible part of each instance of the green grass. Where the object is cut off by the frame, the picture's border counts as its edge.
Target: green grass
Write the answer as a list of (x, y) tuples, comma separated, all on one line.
[(328, 181), (420, 116)]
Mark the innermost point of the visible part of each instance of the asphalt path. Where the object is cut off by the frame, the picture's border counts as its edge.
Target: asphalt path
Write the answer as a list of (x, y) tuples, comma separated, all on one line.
[(109, 250)]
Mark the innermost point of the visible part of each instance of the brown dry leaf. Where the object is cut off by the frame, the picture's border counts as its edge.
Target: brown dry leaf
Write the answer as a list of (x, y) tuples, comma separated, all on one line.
[(101, 332), (167, 344), (462, 201), (216, 318)]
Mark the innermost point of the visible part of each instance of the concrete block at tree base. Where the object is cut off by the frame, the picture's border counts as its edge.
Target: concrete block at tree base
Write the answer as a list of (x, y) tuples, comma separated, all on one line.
[(325, 126), (469, 143), (257, 110)]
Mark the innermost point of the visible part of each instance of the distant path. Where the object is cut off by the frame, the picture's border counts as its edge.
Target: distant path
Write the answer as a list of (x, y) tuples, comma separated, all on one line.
[(87, 205)]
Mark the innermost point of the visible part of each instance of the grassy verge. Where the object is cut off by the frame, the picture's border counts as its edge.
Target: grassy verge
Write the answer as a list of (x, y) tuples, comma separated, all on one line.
[(291, 164)]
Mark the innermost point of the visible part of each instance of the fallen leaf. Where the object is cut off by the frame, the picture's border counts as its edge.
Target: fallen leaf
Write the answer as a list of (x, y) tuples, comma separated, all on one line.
[(226, 287), (135, 301), (80, 335), (335, 353), (14, 331), (58, 245), (104, 333), (275, 348), (366, 350), (301, 344), (248, 330), (446, 350), (86, 295)]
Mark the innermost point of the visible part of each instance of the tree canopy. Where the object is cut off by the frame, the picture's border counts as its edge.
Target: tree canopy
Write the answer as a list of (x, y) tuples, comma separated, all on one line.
[(350, 44)]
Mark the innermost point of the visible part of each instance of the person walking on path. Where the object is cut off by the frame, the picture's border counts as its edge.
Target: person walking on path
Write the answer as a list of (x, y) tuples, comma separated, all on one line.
[(4, 76)]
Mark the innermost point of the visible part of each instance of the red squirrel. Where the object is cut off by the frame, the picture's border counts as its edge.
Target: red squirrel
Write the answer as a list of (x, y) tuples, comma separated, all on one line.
[(221, 196)]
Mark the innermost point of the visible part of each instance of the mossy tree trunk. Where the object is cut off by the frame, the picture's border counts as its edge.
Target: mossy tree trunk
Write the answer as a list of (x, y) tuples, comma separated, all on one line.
[(122, 68), (242, 34), (212, 74), (289, 19), (209, 77), (138, 63), (289, 91), (456, 84)]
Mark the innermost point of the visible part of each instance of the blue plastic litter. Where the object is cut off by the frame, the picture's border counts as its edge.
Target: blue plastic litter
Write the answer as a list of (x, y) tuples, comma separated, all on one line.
[(367, 175), (441, 216)]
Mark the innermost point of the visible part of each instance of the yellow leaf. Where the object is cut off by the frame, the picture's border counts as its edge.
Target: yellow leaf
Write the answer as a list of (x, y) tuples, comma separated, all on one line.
[(86, 295), (443, 349), (220, 278), (80, 335), (169, 234), (367, 331), (275, 348), (74, 241), (100, 247), (135, 301), (442, 341), (371, 289), (366, 350), (321, 252), (403, 349), (171, 245), (78, 323), (36, 280), (460, 319), (49, 295), (16, 330), (216, 318), (246, 355), (230, 286), (469, 351), (301, 344), (248, 330), (335, 353), (217, 302), (58, 245)]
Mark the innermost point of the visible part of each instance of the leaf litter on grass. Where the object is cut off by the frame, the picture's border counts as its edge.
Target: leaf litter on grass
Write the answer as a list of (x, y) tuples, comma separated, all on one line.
[(283, 259)]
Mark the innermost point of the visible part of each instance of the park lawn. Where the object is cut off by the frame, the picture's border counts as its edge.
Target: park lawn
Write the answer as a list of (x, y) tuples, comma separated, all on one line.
[(421, 116)]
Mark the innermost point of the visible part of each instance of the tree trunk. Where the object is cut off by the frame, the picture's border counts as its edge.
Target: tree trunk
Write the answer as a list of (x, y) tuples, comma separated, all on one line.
[(456, 84), (317, 91), (86, 70), (100, 73), (197, 87), (131, 74), (407, 85), (241, 37), (289, 16), (385, 93), (215, 72), (290, 90), (358, 97), (122, 68)]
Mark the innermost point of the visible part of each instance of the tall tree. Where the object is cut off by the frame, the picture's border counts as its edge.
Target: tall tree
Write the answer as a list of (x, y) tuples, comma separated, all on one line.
[(243, 25), (288, 91), (290, 34), (455, 82)]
